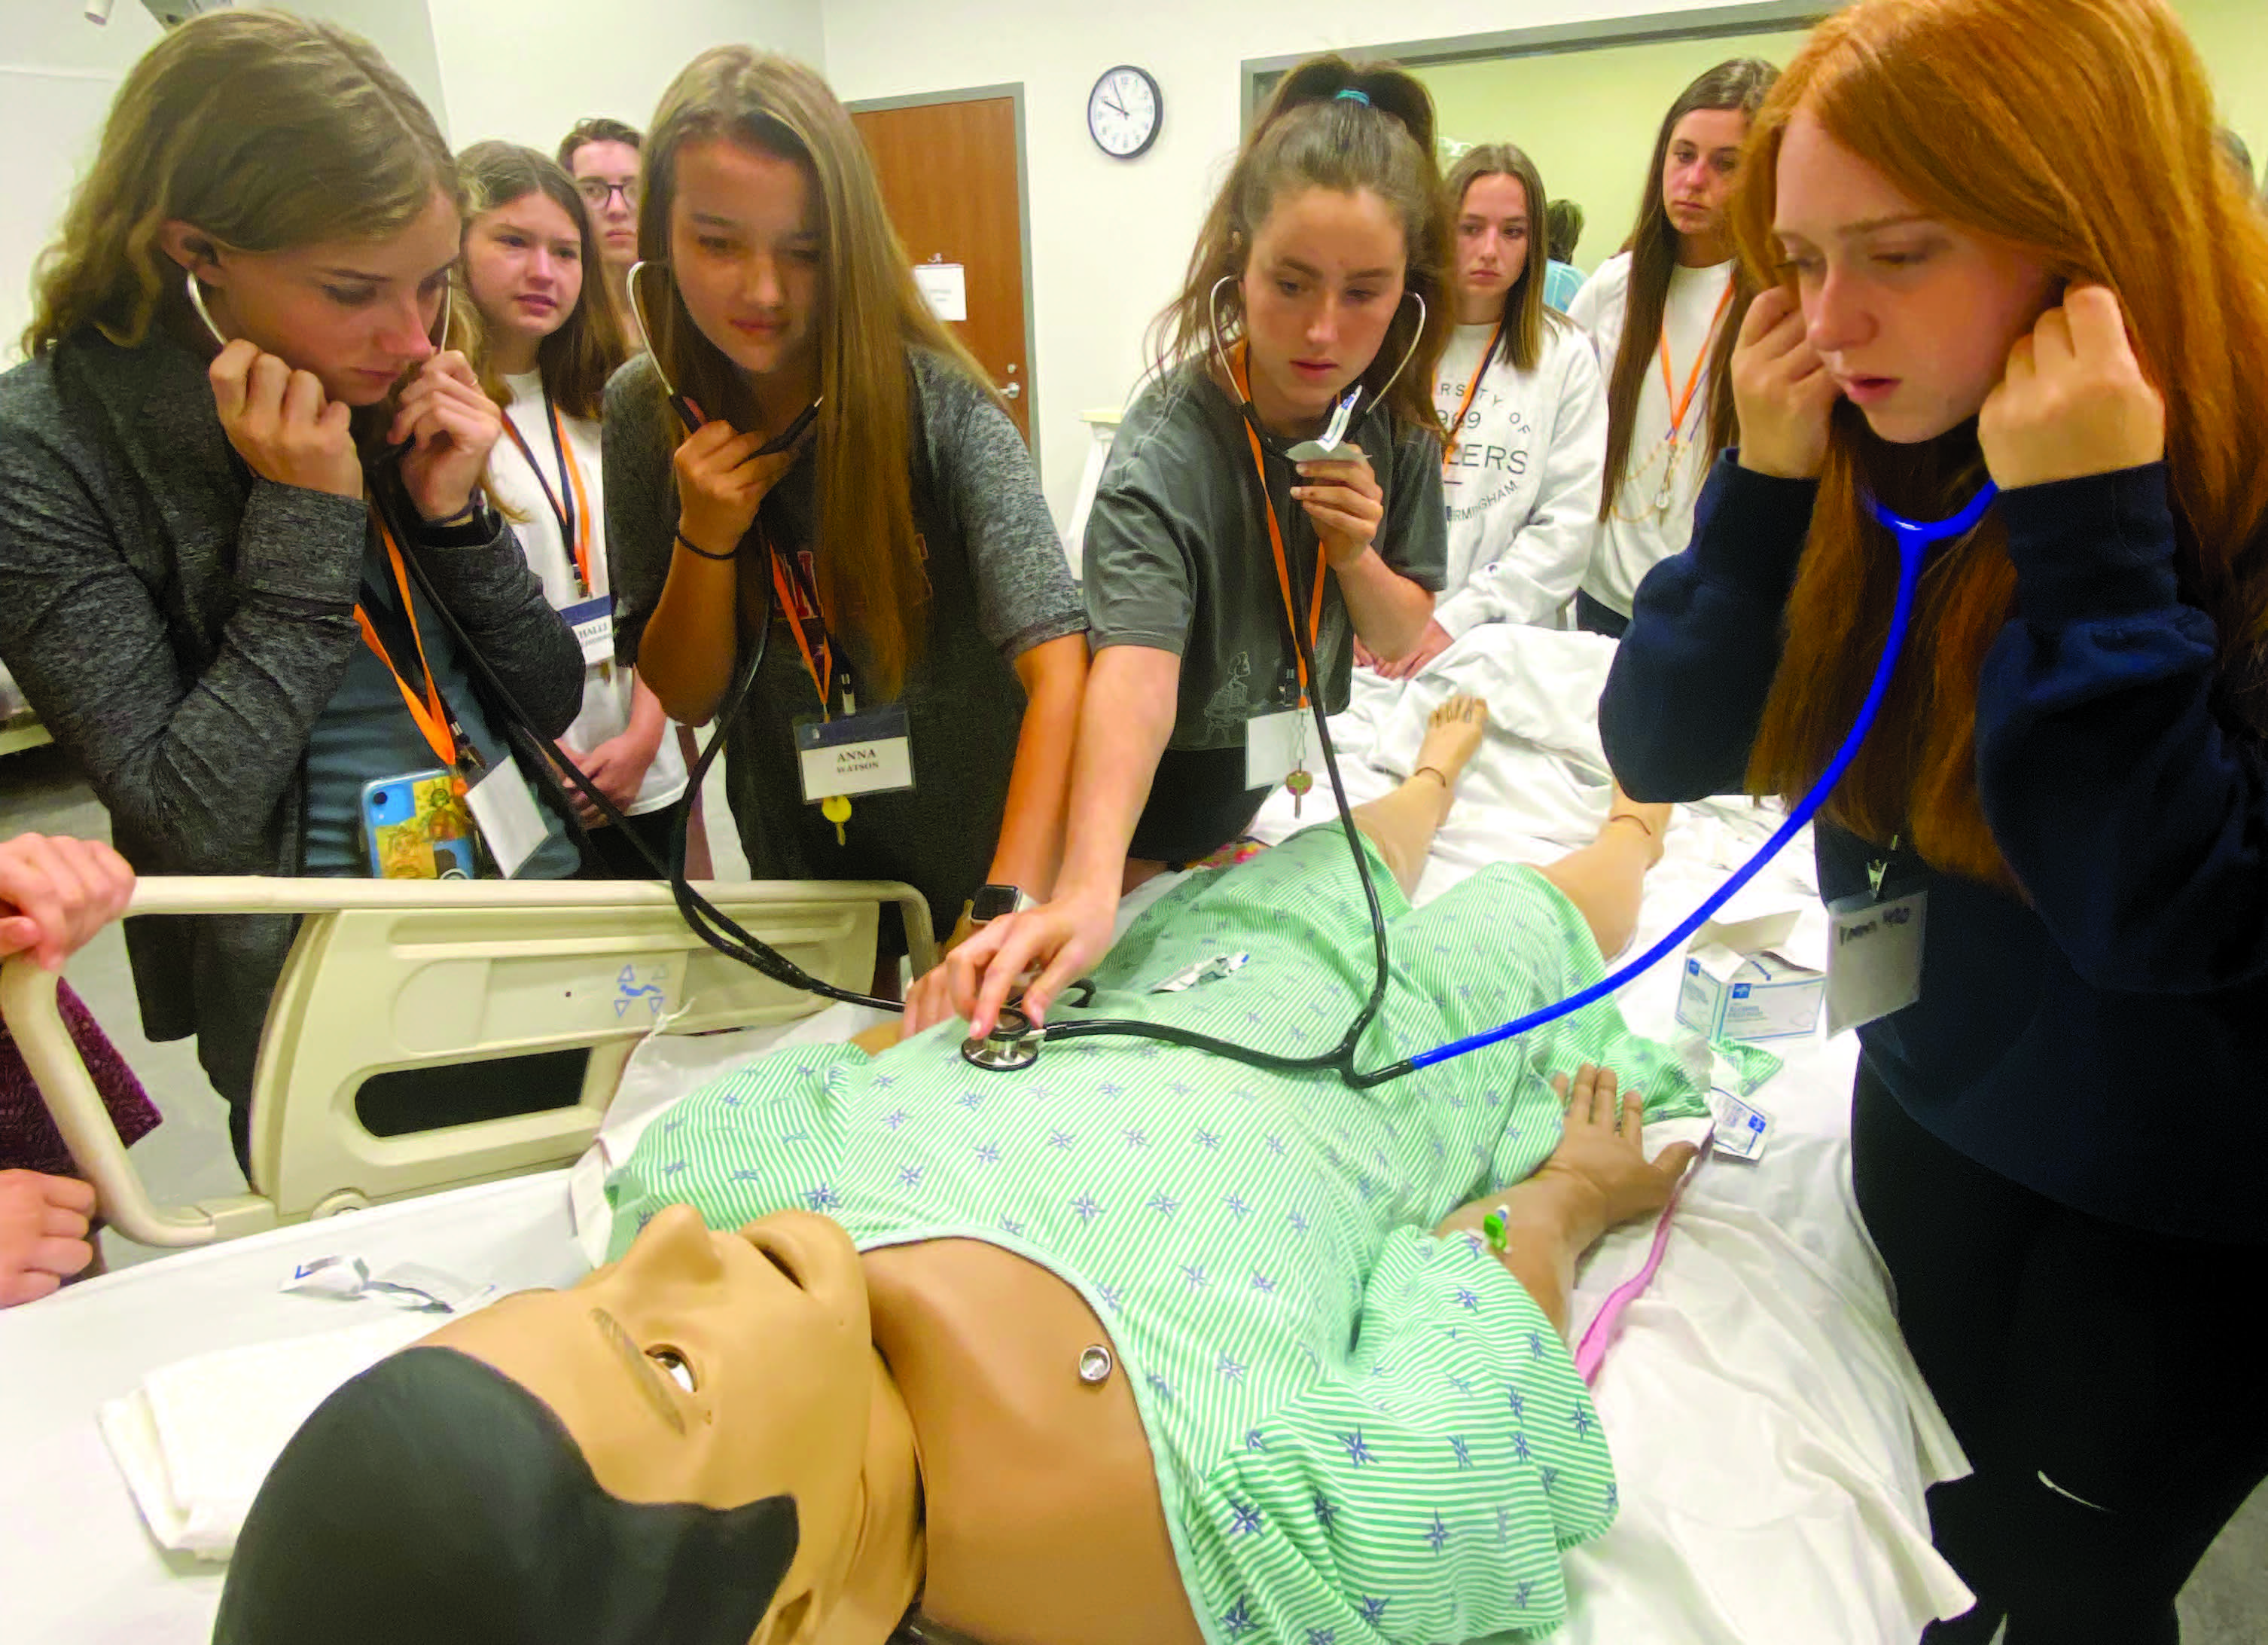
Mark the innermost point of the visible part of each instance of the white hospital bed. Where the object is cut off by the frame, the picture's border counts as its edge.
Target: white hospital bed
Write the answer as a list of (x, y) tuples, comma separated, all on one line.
[(1773, 1438)]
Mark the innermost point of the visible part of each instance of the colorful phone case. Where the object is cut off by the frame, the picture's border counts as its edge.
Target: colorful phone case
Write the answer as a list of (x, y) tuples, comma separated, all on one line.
[(418, 828)]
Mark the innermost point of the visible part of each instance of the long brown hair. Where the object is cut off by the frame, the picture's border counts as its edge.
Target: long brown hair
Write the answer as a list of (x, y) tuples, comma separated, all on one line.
[(870, 315), (1740, 84), (1524, 313), (1308, 136), (2094, 153), (575, 359), (267, 131)]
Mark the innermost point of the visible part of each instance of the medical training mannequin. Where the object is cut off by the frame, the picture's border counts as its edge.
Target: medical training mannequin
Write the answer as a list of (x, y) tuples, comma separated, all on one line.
[(2066, 794), (1355, 1414), (1323, 269), (1663, 312)]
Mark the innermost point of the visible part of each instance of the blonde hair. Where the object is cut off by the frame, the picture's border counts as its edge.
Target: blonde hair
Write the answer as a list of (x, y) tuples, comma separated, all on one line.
[(265, 130), (870, 314)]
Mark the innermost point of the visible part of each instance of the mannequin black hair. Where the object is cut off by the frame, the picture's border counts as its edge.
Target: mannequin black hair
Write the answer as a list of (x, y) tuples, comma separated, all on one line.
[(433, 1499)]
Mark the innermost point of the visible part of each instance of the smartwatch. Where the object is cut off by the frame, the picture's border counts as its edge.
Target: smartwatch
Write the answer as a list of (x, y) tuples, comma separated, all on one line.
[(995, 901)]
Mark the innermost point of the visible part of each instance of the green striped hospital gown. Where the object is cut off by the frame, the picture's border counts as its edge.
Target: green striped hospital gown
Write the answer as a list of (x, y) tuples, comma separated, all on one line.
[(1362, 1433)]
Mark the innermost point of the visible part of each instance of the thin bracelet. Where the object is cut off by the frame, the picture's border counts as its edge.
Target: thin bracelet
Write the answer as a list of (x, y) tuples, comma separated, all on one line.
[(1632, 816), (734, 554), (1437, 771)]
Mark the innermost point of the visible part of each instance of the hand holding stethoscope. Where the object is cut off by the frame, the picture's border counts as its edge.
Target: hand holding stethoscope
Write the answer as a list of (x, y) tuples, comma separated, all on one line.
[(449, 426), (281, 423), (2074, 400)]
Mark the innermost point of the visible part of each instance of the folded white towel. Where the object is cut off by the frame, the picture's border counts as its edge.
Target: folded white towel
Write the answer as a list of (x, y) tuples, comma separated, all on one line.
[(196, 1439)]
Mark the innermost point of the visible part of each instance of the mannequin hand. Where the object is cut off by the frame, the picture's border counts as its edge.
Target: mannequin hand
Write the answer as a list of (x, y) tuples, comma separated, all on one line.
[(1435, 640), (1363, 657), (1601, 1158), (55, 894), (1781, 389), (281, 424), (1060, 939), (1342, 497), (721, 482), (2074, 402), (453, 424), (43, 1234)]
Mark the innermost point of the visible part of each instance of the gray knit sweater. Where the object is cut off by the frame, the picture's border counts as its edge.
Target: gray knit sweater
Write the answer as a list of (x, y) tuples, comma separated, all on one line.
[(180, 624)]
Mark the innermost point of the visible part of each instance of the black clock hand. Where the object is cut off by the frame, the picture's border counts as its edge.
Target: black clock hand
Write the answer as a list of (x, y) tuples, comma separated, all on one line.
[(1121, 112)]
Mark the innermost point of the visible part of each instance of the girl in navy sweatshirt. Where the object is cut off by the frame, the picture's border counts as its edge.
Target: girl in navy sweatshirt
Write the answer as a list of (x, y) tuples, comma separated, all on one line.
[(1993, 261)]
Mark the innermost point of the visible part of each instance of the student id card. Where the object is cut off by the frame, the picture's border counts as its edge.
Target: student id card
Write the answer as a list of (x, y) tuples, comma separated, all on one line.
[(856, 754), (1275, 746), (592, 621), (1874, 957)]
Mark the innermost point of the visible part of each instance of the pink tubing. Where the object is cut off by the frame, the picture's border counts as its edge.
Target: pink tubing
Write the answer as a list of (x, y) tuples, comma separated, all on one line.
[(1591, 1353)]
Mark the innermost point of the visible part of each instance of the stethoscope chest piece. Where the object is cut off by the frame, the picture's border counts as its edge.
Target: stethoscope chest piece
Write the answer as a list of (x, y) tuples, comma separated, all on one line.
[(1013, 1044)]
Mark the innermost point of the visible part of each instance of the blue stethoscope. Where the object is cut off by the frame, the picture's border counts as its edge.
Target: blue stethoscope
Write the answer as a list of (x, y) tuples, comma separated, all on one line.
[(1915, 539), (1014, 1042)]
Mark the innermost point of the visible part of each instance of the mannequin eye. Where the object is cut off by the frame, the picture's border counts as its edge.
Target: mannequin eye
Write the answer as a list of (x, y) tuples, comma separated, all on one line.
[(674, 1362)]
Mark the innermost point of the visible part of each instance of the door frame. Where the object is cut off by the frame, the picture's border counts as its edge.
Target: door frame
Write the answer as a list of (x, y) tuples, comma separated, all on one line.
[(1256, 76), (1014, 91)]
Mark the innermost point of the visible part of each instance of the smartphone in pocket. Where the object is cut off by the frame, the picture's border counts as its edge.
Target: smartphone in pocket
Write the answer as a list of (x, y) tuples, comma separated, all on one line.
[(419, 827)]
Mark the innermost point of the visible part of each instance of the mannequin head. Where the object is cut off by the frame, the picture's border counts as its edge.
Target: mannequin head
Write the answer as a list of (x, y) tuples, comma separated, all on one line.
[(698, 1442)]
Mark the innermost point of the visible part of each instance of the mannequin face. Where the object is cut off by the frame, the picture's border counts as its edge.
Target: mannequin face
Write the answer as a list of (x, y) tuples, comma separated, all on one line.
[(1323, 284), (722, 1369)]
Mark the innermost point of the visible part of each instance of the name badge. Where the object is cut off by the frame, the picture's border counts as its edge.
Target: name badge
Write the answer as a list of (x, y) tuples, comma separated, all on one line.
[(505, 810), (1275, 746), (1874, 957), (593, 622), (858, 753)]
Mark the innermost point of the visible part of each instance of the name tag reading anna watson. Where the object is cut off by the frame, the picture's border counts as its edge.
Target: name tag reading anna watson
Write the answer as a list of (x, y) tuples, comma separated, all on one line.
[(858, 753)]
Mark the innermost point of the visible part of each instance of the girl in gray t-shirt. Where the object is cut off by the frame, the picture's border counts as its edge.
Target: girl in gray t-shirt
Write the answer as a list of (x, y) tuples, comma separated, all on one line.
[(1323, 269)]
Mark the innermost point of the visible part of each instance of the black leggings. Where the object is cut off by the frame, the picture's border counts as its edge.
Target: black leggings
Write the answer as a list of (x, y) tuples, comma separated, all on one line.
[(1597, 616), (2105, 1382)]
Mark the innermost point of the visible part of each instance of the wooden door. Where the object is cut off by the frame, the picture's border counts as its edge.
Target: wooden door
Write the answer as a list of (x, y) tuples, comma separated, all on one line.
[(950, 175)]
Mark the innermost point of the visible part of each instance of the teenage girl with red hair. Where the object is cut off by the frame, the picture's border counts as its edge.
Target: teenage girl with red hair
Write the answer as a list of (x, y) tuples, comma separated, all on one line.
[(2001, 243)]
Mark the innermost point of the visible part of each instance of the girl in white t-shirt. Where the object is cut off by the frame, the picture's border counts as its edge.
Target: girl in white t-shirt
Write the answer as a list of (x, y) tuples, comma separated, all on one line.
[(1664, 313), (544, 355), (1519, 390)]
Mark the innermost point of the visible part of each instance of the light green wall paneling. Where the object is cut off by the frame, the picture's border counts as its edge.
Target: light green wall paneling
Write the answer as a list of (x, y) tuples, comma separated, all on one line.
[(1588, 117)]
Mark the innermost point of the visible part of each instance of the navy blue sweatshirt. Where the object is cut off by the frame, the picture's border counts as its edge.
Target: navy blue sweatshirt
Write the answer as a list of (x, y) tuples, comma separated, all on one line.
[(2103, 1044)]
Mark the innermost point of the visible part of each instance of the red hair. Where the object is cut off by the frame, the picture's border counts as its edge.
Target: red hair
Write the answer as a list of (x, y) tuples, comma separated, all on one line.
[(2082, 132)]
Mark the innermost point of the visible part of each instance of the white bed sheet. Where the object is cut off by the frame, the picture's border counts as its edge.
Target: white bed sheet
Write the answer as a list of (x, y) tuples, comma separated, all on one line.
[(1773, 1438)]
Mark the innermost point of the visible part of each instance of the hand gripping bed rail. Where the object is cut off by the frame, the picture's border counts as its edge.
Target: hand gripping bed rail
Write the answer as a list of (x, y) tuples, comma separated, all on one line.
[(393, 973)]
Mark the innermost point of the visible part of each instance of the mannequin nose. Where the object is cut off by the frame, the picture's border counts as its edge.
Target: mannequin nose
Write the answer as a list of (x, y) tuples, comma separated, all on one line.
[(676, 1248)]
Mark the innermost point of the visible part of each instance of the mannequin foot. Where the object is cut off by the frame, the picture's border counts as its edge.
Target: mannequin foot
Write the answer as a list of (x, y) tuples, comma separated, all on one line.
[(1453, 736)]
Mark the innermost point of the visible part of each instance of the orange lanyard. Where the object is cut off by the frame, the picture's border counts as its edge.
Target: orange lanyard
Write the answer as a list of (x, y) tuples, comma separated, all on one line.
[(575, 522), (431, 714), (1488, 354), (1276, 537), (1684, 404), (821, 669)]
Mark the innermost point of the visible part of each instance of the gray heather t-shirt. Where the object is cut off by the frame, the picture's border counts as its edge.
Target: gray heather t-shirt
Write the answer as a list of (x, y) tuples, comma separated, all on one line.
[(998, 585), (1178, 555)]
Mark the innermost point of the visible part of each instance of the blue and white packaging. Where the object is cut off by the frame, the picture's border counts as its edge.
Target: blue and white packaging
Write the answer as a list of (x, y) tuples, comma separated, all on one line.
[(1736, 984)]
